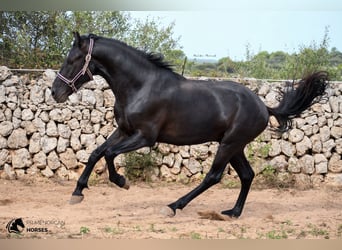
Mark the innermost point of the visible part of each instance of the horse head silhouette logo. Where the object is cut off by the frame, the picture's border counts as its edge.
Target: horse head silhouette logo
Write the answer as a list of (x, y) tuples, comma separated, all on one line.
[(13, 226)]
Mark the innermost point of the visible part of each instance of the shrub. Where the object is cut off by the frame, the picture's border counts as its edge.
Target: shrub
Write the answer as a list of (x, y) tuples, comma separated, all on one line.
[(139, 167)]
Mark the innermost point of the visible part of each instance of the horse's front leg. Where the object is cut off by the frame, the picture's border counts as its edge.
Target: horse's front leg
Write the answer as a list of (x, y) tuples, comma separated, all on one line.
[(128, 144), (110, 150), (95, 156)]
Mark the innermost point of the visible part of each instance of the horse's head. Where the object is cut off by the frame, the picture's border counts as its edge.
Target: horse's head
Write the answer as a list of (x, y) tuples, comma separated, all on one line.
[(76, 69)]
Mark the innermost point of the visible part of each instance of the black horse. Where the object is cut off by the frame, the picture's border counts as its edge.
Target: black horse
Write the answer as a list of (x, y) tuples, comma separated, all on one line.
[(154, 104)]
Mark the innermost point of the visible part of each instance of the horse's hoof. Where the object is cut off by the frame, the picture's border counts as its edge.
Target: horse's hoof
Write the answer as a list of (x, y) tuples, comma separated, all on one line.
[(76, 199), (167, 212), (126, 186), (231, 213)]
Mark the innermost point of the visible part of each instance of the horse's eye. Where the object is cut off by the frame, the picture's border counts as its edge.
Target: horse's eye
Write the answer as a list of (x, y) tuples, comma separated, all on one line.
[(69, 61), (73, 59)]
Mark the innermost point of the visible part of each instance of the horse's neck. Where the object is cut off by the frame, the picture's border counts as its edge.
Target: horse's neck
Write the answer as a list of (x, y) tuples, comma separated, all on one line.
[(125, 73)]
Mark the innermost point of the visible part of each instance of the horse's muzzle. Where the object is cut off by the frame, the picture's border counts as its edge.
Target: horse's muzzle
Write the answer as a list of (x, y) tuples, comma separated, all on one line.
[(62, 97)]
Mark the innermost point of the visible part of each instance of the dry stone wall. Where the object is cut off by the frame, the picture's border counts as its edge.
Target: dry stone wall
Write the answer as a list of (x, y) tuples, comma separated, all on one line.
[(40, 137)]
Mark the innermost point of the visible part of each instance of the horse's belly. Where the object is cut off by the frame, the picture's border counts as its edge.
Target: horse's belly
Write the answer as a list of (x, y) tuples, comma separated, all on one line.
[(191, 131), (186, 140)]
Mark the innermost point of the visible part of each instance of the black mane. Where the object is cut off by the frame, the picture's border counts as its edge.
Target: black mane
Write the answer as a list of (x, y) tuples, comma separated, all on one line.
[(158, 60), (155, 58)]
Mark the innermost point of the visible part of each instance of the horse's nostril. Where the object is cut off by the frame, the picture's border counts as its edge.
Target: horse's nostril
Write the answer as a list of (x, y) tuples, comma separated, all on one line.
[(52, 92)]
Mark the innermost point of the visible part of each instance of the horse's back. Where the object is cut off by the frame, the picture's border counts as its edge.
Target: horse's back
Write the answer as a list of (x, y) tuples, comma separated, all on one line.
[(247, 112), (201, 111), (229, 96)]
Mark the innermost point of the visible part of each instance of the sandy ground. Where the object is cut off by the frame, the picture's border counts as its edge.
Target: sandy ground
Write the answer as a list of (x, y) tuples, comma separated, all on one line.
[(110, 212)]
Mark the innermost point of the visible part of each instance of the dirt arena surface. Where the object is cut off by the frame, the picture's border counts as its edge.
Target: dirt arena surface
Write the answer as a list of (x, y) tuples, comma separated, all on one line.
[(110, 212)]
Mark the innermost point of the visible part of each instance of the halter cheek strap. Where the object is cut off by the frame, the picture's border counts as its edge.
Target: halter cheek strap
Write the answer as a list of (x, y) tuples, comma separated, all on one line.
[(85, 69)]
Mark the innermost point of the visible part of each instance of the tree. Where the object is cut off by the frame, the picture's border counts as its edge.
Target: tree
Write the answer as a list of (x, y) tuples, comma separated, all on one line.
[(227, 65), (277, 60), (177, 59), (335, 57), (41, 39), (259, 66), (34, 39), (113, 24), (26, 36), (148, 36), (309, 59)]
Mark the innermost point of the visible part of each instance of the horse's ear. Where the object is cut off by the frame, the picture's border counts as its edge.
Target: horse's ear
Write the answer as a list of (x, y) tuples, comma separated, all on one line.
[(77, 39)]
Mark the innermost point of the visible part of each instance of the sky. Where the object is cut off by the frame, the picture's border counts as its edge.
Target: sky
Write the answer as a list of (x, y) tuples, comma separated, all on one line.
[(227, 32), (226, 27)]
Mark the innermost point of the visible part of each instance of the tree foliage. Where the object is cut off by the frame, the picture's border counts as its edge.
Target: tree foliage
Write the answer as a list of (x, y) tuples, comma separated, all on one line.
[(27, 37), (41, 39), (147, 36)]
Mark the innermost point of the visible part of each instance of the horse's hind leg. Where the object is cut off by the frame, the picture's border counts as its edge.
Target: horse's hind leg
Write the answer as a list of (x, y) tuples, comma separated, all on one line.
[(246, 175), (223, 156)]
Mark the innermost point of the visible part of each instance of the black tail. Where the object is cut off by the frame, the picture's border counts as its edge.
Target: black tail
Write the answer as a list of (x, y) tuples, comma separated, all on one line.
[(295, 100)]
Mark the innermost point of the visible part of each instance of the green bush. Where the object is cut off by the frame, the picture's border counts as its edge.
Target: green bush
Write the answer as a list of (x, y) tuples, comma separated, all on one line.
[(139, 167), (271, 178)]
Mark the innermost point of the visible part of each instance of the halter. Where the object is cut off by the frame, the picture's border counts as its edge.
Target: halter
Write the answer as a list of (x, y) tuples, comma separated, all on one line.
[(85, 69)]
